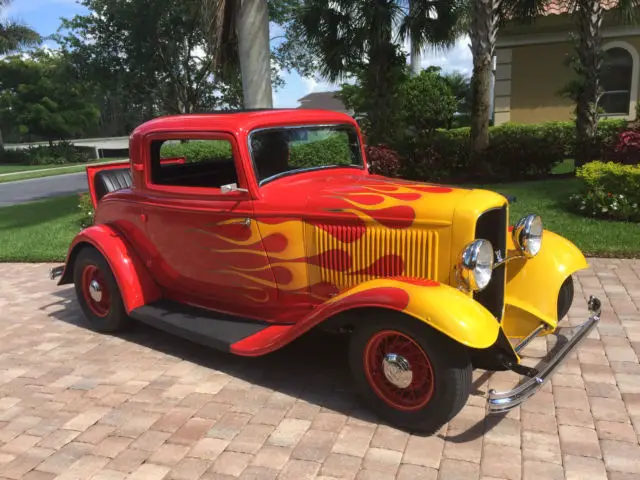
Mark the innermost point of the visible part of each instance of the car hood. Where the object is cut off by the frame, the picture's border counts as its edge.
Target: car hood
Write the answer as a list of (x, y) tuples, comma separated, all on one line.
[(379, 200)]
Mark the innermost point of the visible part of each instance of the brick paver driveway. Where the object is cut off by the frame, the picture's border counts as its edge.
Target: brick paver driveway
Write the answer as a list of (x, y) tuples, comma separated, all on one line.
[(146, 405)]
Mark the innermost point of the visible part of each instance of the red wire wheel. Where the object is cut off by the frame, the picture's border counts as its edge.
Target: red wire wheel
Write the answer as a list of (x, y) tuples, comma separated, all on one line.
[(398, 370), (96, 291)]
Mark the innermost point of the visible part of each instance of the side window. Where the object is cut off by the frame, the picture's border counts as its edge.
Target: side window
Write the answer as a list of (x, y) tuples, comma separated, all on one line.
[(192, 163)]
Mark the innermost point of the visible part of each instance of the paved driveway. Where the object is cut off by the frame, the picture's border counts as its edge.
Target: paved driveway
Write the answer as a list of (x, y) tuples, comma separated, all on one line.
[(148, 406)]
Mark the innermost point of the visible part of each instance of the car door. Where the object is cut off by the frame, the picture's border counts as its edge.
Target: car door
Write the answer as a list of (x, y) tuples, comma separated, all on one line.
[(206, 246)]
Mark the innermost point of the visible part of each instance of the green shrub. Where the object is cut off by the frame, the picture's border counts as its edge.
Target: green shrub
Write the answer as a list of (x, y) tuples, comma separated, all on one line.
[(17, 156), (427, 101), (516, 151), (330, 151), (609, 190), (60, 153), (333, 150), (86, 207), (197, 150)]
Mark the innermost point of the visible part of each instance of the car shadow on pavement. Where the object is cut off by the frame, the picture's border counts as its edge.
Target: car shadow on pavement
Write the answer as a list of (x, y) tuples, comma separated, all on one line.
[(314, 368)]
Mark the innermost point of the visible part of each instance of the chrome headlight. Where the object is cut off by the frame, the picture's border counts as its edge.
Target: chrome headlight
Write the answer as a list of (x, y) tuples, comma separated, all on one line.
[(475, 265), (527, 235)]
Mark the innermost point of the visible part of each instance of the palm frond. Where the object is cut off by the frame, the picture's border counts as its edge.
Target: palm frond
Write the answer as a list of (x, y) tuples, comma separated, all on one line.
[(15, 36), (436, 23), (627, 11), (523, 11)]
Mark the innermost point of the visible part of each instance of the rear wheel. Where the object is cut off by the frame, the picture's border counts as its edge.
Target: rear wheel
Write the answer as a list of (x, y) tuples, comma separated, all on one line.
[(565, 298), (411, 375), (97, 292)]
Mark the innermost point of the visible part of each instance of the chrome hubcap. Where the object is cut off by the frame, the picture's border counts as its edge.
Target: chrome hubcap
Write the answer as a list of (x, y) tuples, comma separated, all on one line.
[(397, 369), (95, 290)]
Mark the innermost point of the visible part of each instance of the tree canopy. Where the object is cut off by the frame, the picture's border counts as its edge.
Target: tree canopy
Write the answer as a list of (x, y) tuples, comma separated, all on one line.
[(39, 96)]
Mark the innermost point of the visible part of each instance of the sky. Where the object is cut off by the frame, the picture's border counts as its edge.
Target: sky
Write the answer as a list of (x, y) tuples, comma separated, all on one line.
[(44, 17)]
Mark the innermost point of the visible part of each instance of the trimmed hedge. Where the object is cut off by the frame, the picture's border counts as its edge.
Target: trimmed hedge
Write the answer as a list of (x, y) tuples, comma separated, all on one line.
[(58, 154), (197, 150), (330, 151), (516, 152)]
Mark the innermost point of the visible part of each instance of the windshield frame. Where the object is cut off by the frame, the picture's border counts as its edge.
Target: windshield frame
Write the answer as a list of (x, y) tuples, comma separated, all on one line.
[(346, 126)]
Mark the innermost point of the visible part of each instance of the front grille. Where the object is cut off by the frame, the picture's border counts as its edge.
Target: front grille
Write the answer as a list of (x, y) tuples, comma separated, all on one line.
[(492, 226), (349, 255)]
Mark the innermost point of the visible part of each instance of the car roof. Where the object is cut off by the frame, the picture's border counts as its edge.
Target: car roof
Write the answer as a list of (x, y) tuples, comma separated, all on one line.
[(235, 120)]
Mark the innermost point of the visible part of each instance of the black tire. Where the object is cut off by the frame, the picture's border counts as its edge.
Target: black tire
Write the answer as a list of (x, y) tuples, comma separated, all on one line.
[(565, 297), (450, 365), (115, 315)]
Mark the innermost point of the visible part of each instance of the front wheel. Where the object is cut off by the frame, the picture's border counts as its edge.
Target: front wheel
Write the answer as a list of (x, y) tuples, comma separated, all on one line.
[(412, 376)]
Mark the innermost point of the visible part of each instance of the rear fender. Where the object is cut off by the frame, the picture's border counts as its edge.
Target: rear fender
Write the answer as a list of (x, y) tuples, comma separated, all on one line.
[(533, 284), (136, 285), (442, 307)]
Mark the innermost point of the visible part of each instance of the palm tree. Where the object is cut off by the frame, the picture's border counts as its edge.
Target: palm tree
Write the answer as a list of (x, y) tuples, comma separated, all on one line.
[(15, 36), (239, 39), (589, 15), (357, 37), (483, 21)]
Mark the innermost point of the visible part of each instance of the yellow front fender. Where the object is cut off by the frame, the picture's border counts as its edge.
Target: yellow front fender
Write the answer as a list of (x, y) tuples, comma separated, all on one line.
[(442, 307), (533, 284)]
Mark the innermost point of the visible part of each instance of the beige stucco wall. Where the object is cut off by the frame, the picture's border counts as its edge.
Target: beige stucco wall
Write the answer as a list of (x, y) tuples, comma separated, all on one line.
[(537, 75), (529, 78)]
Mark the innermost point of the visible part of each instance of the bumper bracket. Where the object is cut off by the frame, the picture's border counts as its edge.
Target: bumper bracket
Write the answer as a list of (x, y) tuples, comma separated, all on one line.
[(500, 402)]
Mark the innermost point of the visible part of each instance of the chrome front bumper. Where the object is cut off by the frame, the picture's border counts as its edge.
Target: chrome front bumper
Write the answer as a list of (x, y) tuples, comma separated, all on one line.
[(500, 402)]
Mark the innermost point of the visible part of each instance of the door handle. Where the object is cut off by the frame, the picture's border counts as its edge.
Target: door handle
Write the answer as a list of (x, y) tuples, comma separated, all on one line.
[(241, 221)]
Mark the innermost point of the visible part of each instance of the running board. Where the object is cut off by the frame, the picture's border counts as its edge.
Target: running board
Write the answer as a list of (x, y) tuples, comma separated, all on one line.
[(206, 327)]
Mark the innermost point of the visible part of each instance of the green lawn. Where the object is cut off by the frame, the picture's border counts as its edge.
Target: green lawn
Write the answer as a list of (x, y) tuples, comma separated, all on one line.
[(566, 166), (39, 231), (42, 231), (593, 237), (33, 171)]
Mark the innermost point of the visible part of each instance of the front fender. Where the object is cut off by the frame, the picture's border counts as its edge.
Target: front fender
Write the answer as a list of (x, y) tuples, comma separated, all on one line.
[(442, 307), (533, 284), (136, 285), (446, 309)]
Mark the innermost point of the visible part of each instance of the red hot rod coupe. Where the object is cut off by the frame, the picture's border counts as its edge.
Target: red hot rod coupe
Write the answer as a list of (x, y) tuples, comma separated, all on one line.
[(244, 230)]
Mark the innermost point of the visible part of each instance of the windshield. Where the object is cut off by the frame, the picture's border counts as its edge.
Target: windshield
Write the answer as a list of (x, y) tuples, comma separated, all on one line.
[(282, 151)]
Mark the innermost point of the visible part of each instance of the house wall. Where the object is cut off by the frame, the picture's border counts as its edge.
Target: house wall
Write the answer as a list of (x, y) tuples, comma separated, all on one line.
[(530, 76)]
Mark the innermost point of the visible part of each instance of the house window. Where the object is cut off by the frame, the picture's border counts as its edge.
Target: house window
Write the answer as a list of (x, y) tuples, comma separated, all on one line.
[(617, 70)]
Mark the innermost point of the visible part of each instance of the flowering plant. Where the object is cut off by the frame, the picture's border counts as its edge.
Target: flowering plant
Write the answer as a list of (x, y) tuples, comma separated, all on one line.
[(628, 147), (601, 204)]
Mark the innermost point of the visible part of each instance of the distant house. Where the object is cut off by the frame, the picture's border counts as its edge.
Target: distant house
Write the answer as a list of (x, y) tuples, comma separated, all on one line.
[(324, 101), (531, 70)]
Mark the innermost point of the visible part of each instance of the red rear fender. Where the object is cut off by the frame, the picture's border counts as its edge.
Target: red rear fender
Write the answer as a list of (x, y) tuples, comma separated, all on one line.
[(135, 283)]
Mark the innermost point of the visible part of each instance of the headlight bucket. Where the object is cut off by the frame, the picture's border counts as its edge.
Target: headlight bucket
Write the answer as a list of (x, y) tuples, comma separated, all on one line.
[(475, 265), (527, 235)]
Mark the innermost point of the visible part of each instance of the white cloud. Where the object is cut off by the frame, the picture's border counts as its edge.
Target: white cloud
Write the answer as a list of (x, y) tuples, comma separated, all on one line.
[(457, 58)]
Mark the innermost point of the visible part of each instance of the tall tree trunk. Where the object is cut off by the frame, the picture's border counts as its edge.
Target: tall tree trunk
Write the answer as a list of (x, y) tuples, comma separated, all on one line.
[(255, 54), (415, 51), (484, 28), (379, 82), (589, 48)]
